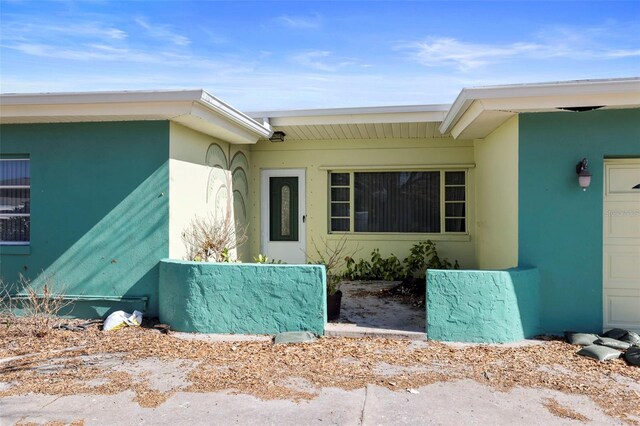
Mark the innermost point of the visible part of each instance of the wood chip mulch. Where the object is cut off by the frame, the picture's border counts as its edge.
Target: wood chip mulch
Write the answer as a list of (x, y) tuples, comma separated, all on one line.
[(52, 423), (66, 363), (560, 410)]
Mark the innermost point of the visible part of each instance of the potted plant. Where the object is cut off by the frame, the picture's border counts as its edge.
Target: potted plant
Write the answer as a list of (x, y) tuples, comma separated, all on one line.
[(334, 297), (333, 259)]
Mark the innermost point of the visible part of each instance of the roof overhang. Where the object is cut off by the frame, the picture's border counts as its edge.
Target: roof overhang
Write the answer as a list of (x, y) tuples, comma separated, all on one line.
[(385, 122), (195, 109), (476, 112), (363, 115)]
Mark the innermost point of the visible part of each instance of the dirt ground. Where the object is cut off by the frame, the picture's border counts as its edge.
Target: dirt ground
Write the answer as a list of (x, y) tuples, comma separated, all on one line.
[(153, 367), (369, 304)]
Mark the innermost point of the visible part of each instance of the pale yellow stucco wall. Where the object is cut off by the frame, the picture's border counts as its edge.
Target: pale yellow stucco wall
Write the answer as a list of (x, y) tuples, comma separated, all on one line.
[(497, 197), (196, 188), (316, 156)]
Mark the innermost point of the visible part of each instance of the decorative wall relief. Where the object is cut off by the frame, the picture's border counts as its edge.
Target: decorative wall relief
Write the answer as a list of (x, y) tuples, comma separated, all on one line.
[(228, 184)]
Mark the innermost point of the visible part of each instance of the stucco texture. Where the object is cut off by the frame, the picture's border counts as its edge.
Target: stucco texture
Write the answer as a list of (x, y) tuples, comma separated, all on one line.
[(242, 298), (483, 306), (561, 226), (99, 209)]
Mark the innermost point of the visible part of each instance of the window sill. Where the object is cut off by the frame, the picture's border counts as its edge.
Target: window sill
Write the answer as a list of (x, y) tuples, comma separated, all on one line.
[(15, 249), (390, 236)]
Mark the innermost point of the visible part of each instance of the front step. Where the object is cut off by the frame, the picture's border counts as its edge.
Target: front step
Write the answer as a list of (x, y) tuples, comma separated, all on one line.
[(355, 331)]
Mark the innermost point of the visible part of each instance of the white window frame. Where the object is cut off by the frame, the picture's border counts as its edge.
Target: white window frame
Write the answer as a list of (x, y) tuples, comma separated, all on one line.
[(443, 201), (10, 215)]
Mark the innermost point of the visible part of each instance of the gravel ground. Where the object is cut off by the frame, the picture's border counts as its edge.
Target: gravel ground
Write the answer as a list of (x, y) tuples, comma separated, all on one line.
[(153, 367)]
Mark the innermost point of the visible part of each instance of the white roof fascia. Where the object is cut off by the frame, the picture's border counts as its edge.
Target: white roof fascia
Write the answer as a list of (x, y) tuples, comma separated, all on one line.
[(56, 98), (364, 115), (194, 108), (613, 93), (234, 115)]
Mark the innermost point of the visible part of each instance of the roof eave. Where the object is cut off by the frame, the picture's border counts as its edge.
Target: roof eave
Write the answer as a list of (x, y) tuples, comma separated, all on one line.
[(193, 108), (478, 111)]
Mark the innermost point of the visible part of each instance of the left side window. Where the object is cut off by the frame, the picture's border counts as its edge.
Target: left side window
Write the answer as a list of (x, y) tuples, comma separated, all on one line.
[(15, 201)]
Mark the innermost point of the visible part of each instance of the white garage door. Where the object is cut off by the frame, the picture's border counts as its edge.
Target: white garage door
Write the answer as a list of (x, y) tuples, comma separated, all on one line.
[(621, 241)]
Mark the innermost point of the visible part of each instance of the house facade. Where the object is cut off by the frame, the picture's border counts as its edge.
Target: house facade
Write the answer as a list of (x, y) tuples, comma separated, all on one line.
[(115, 178), (110, 182), (585, 243)]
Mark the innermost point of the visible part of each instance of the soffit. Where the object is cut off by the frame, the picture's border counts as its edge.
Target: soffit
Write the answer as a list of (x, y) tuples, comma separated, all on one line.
[(414, 130), (477, 112), (389, 122)]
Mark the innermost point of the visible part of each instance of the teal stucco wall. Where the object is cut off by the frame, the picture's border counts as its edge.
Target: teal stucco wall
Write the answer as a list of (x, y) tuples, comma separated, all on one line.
[(242, 298), (483, 306), (560, 226), (99, 209)]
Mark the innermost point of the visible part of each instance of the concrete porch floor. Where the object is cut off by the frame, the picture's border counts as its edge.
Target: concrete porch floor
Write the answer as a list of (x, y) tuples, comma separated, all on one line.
[(365, 314)]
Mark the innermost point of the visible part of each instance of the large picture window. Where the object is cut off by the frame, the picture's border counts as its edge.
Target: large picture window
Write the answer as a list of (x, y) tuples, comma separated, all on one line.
[(15, 200), (431, 201)]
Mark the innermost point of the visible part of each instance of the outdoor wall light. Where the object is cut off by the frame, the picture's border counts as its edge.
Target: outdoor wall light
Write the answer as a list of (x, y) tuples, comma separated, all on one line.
[(584, 175), (278, 136)]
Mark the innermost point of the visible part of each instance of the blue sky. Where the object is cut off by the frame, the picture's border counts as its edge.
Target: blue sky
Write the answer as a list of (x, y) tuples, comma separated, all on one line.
[(284, 55)]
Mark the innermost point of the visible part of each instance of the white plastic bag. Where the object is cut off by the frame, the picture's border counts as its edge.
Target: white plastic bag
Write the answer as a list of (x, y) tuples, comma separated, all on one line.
[(119, 319)]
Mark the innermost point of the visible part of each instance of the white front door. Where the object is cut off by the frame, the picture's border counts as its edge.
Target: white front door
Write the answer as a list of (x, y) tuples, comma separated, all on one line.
[(621, 244), (283, 215)]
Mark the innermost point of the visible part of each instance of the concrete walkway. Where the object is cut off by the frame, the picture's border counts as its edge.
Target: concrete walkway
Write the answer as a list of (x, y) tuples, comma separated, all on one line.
[(446, 403), (365, 314)]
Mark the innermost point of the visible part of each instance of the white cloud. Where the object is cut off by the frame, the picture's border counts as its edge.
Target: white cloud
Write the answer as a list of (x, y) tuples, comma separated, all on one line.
[(321, 60), (212, 37), (301, 22), (435, 52), (21, 30), (162, 32), (595, 43), (92, 52)]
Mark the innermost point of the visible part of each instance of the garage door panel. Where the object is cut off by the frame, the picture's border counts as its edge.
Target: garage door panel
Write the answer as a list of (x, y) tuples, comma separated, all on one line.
[(622, 309), (621, 244), (622, 266), (622, 220), (622, 178)]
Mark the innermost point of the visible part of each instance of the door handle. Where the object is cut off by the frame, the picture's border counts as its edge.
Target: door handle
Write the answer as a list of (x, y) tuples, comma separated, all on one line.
[(304, 218)]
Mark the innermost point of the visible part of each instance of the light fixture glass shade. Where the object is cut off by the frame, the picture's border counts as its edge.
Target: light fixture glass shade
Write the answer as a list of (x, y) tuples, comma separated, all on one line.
[(584, 181), (584, 175)]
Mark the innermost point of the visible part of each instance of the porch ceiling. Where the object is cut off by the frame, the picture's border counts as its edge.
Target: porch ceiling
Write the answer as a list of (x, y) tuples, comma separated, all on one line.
[(362, 131), (388, 122)]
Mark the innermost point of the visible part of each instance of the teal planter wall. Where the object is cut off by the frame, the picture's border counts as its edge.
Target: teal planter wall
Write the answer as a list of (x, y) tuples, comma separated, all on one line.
[(242, 298), (99, 209), (483, 306), (560, 226)]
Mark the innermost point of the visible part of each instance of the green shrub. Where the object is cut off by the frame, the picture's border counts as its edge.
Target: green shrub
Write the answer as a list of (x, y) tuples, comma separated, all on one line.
[(422, 256), (379, 268), (265, 260)]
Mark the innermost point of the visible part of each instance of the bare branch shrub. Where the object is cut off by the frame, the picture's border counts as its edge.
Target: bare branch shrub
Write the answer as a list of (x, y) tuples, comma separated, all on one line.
[(7, 304), (333, 257), (32, 309), (209, 239)]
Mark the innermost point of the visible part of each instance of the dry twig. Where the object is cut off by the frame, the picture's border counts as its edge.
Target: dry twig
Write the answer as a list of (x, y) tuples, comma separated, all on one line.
[(210, 239), (37, 305)]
